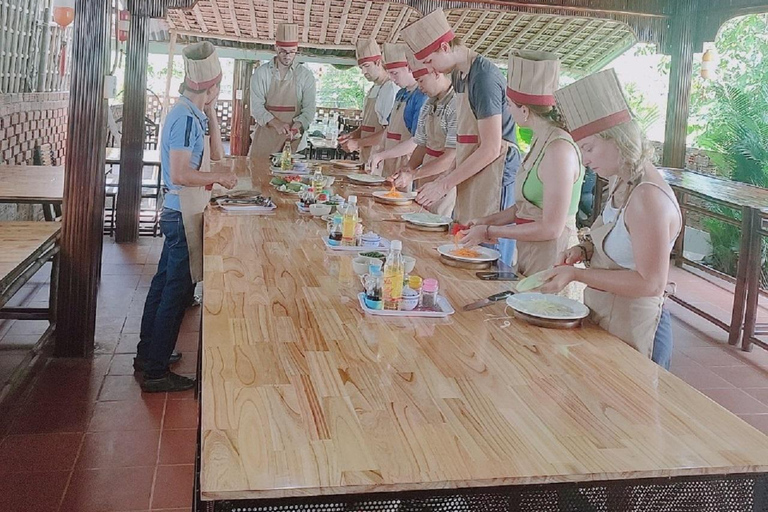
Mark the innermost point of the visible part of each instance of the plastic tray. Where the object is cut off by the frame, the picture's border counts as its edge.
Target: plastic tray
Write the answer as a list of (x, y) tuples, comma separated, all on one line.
[(383, 246), (445, 309)]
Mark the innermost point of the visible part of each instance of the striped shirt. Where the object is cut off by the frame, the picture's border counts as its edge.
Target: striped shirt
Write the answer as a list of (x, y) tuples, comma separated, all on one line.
[(448, 122)]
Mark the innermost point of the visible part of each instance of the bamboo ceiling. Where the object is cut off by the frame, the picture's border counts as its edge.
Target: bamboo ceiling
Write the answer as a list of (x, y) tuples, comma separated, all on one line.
[(584, 44)]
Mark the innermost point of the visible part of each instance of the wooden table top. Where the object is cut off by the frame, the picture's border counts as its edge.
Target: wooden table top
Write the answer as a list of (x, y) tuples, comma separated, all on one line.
[(729, 192), (303, 394), (150, 157), (18, 243), (31, 183)]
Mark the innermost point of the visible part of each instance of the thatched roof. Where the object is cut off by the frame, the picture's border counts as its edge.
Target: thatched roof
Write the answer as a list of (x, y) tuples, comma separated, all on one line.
[(584, 44)]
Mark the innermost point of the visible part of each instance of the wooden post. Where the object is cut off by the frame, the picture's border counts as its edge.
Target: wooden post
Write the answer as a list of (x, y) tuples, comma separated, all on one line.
[(81, 230), (682, 36), (240, 137), (132, 147), (169, 77)]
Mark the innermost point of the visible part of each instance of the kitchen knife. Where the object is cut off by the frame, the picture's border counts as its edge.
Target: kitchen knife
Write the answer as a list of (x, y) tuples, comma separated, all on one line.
[(488, 301), (497, 276)]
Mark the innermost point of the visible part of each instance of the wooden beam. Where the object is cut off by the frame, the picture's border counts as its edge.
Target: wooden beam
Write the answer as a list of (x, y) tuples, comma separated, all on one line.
[(462, 17), (307, 12), (380, 20), (271, 18), (519, 36), (489, 30), (540, 33), (585, 42), (398, 23), (216, 9), (405, 22), (476, 25), (241, 112), (246, 39), (343, 21), (82, 225), (361, 23), (233, 17), (200, 18), (252, 16), (515, 22), (565, 26), (182, 16), (132, 143), (326, 19)]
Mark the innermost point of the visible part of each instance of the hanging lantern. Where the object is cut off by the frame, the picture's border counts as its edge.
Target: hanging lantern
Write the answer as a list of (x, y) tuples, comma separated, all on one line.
[(123, 25), (708, 64), (63, 12)]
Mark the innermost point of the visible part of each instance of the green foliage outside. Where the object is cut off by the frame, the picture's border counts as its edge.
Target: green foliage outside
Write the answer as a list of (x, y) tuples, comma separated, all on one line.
[(341, 88), (729, 118)]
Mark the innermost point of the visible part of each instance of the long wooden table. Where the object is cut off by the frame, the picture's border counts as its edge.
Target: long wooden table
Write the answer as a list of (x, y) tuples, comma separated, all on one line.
[(33, 184), (24, 248), (307, 401)]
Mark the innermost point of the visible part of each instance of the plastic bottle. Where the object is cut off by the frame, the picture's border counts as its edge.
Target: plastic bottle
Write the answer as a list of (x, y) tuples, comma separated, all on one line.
[(349, 222), (334, 237), (394, 271), (286, 160), (317, 179)]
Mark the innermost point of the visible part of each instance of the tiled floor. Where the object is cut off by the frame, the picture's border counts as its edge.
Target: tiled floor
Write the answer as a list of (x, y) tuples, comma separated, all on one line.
[(82, 437)]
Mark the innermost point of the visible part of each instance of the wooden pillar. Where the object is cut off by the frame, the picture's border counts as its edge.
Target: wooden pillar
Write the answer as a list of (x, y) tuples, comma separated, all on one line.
[(81, 230), (240, 137), (132, 146), (681, 48)]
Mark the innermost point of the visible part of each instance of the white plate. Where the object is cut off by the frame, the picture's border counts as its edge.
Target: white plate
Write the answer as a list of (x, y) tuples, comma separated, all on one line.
[(426, 219), (535, 304), (404, 196), (368, 179), (346, 164), (295, 156), (277, 171), (487, 254), (445, 309), (383, 246)]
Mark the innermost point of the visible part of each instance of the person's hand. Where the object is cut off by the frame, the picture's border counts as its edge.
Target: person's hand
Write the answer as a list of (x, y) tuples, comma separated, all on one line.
[(572, 256), (227, 180), (296, 127), (373, 164), (403, 179), (431, 193), (475, 235), (557, 279), (343, 137), (209, 109), (474, 222), (280, 127), (351, 145)]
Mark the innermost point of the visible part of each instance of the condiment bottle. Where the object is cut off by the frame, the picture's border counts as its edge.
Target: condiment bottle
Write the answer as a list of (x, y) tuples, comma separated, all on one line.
[(373, 290), (429, 294), (393, 276), (334, 238), (349, 222), (414, 283), (286, 160)]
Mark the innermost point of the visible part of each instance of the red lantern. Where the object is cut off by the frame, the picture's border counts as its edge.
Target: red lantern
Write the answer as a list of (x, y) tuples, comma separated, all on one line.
[(63, 12), (123, 25)]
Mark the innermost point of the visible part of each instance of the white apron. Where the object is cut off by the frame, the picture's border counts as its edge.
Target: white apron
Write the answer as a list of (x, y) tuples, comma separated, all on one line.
[(435, 148)]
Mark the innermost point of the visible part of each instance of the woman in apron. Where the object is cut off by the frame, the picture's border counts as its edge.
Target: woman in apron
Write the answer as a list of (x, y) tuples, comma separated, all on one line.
[(629, 245), (484, 166), (280, 100), (378, 102), (548, 185), (435, 137)]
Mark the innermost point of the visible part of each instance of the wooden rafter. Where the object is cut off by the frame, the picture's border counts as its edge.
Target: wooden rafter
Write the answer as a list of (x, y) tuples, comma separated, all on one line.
[(565, 26), (217, 16), (326, 19), (271, 19), (519, 36), (361, 23), (406, 21), (380, 20), (396, 27), (488, 31), (540, 32), (576, 33), (461, 19), (591, 37), (252, 16), (184, 20), (503, 35), (477, 24), (342, 21), (233, 17), (200, 18), (307, 12)]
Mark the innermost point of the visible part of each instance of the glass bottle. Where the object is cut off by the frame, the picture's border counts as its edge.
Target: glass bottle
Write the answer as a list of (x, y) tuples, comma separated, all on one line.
[(429, 290), (349, 222), (394, 271), (286, 160), (334, 237)]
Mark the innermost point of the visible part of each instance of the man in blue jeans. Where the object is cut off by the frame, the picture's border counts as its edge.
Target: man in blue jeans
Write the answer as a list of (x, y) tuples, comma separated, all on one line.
[(183, 146)]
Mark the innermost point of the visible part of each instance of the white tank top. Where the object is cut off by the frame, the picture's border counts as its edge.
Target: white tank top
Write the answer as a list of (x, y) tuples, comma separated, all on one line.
[(618, 243)]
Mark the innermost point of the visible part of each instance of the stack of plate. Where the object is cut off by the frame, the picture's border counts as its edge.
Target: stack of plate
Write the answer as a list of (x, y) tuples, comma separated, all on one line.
[(405, 198)]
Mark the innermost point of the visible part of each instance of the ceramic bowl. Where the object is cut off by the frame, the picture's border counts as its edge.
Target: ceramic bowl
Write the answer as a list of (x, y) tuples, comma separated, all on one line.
[(318, 210), (409, 263), (410, 299)]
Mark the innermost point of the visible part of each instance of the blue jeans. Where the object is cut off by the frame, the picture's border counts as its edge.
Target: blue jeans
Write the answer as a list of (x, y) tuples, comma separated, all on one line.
[(168, 298), (663, 342)]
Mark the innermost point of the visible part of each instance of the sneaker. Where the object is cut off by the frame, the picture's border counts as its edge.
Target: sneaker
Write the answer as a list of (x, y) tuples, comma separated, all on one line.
[(139, 362), (167, 384)]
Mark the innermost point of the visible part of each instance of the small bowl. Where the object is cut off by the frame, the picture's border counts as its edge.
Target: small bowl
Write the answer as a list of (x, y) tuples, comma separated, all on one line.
[(318, 210), (360, 265), (409, 263), (300, 166), (410, 299)]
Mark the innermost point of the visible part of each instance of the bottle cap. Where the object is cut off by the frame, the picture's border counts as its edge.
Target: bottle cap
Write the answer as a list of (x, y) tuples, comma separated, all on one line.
[(414, 282), (429, 286), (352, 200), (396, 245)]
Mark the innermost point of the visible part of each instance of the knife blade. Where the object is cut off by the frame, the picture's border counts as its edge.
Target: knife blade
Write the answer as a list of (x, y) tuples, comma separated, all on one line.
[(488, 300)]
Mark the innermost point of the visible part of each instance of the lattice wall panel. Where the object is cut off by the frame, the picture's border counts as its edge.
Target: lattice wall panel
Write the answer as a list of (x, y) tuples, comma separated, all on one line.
[(324, 23)]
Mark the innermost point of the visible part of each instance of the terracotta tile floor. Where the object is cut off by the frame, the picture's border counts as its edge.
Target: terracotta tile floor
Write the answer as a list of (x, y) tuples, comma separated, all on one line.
[(81, 437)]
